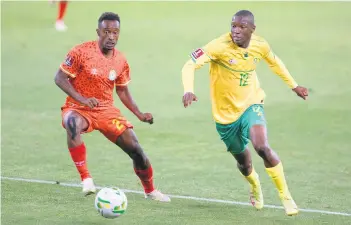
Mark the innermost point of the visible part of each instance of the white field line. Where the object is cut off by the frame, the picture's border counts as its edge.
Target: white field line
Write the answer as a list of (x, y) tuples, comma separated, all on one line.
[(178, 196)]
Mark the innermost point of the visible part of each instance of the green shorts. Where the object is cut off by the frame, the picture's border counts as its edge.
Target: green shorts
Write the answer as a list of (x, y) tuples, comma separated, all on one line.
[(237, 134)]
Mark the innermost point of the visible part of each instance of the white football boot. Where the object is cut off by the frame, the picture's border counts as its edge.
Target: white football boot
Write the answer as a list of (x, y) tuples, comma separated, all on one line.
[(60, 25), (158, 196), (88, 187)]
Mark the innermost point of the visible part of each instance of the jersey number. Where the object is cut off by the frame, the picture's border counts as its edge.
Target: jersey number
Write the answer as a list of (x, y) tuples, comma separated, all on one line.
[(118, 124), (243, 79), (257, 110)]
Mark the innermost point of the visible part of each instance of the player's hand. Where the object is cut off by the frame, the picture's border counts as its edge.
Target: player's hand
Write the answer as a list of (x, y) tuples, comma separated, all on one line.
[(301, 92), (188, 98), (147, 118), (90, 102)]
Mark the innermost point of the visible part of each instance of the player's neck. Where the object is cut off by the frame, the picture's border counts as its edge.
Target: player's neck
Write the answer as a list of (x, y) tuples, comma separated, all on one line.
[(106, 52), (244, 45)]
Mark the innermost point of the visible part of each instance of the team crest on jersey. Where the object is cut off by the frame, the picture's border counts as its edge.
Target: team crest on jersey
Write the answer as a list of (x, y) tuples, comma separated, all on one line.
[(197, 53), (69, 61), (245, 55), (112, 76), (94, 71)]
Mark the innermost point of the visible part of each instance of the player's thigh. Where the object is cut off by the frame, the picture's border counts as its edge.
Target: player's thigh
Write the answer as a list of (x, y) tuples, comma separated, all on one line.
[(231, 136), (112, 124), (74, 120), (254, 125)]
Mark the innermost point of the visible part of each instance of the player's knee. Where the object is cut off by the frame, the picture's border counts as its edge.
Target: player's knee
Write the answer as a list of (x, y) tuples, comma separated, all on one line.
[(245, 166), (136, 150), (132, 148), (130, 145), (262, 149), (138, 156), (73, 124)]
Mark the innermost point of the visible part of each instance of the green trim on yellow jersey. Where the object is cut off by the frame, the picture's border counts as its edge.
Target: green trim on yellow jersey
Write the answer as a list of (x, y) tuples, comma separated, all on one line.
[(228, 68), (192, 58)]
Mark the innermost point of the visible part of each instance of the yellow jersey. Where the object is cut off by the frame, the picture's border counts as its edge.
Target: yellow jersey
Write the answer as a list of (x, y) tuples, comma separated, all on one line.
[(233, 80)]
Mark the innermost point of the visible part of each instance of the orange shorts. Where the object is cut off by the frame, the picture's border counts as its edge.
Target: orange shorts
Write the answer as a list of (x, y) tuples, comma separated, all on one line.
[(108, 121)]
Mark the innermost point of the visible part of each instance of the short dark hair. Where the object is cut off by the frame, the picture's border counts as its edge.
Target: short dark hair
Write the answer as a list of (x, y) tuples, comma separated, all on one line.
[(245, 13), (109, 16)]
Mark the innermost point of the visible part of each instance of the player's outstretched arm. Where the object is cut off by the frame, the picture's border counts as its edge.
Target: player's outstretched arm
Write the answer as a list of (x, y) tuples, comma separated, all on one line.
[(61, 80), (126, 98), (278, 67), (199, 58)]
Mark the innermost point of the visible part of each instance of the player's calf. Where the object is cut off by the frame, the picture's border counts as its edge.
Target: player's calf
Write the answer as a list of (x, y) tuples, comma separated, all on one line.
[(128, 142), (140, 160), (142, 167)]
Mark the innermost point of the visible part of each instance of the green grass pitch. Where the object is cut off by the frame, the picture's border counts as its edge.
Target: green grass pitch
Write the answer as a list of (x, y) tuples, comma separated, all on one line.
[(312, 137)]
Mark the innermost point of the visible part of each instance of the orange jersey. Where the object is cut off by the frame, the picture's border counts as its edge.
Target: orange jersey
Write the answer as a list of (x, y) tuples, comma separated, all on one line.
[(93, 75)]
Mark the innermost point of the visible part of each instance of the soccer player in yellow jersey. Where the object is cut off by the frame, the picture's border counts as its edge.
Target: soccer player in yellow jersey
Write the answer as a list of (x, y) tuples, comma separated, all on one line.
[(237, 100)]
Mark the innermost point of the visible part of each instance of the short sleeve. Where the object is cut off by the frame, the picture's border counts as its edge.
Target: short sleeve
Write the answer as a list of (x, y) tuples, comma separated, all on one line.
[(124, 77), (71, 65)]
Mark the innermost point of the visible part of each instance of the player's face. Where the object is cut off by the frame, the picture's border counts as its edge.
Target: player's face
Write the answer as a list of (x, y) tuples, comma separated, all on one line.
[(108, 33), (242, 29)]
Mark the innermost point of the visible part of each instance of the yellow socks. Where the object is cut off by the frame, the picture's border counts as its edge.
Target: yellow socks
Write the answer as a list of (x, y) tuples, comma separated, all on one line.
[(256, 196), (277, 175), (253, 178)]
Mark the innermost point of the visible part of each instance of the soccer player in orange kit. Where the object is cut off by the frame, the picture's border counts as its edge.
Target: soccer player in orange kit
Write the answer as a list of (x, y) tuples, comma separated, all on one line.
[(90, 73)]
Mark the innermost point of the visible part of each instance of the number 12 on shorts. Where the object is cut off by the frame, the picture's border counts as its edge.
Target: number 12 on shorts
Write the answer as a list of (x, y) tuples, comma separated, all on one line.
[(118, 124), (257, 110)]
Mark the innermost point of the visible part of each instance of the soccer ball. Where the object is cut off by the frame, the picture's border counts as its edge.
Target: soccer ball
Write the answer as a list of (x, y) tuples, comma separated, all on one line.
[(111, 202)]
